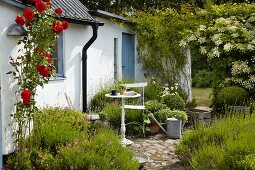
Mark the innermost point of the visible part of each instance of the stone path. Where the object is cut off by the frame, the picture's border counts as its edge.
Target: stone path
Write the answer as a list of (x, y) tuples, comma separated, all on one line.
[(161, 152)]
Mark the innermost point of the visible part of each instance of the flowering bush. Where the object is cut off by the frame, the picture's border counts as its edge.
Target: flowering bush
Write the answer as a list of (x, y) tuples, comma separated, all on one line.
[(229, 44), (34, 66)]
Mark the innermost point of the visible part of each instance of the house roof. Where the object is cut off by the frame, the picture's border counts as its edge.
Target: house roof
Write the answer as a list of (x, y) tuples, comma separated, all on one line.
[(73, 10), (108, 15)]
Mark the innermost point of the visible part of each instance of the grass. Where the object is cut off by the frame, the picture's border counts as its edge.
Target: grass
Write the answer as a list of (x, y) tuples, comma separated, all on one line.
[(202, 96)]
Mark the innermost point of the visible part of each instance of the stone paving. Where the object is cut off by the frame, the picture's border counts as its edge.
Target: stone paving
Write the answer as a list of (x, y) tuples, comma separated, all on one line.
[(161, 152)]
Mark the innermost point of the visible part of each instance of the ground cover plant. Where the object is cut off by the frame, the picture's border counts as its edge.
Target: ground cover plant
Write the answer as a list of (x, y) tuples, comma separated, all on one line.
[(226, 144), (64, 139)]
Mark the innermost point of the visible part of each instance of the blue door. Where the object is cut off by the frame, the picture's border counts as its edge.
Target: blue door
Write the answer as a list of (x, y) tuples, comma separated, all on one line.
[(128, 56)]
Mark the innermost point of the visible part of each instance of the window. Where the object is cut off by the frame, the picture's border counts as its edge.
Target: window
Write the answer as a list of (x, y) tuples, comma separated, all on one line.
[(57, 57)]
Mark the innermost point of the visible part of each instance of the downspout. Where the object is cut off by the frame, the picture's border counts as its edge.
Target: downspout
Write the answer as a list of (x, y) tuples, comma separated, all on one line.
[(84, 66)]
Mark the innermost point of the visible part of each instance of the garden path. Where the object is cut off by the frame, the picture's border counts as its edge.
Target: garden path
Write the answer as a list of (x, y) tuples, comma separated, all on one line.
[(161, 151)]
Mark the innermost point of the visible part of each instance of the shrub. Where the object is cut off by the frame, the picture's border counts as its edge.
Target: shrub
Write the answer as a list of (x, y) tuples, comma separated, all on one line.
[(178, 114), (55, 126), (202, 78), (104, 151), (182, 94), (232, 95), (191, 104), (112, 112), (162, 114), (153, 90), (73, 144), (153, 106), (174, 102), (224, 145), (99, 101)]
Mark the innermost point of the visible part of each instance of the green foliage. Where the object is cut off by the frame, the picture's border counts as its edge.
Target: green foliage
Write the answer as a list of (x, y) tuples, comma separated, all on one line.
[(159, 33), (202, 78), (191, 104), (226, 39), (99, 101), (178, 114), (224, 145), (153, 90), (55, 127), (174, 102), (112, 112), (63, 139), (232, 95), (152, 106), (104, 151), (162, 114)]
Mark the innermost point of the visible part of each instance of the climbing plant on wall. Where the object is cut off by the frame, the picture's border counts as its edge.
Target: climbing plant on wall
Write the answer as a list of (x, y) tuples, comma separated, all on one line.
[(33, 67), (159, 34)]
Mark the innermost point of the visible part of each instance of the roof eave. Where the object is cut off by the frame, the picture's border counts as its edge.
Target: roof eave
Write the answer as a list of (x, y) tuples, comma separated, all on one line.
[(108, 15)]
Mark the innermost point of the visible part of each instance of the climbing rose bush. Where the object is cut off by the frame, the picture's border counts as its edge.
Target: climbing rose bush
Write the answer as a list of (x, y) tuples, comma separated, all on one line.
[(34, 66)]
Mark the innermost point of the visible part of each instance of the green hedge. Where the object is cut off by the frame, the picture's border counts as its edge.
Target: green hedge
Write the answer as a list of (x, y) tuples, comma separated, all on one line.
[(232, 95), (226, 145)]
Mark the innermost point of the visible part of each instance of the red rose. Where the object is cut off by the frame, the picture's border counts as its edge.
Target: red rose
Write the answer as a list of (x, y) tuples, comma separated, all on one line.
[(58, 11), (28, 14), (25, 95), (40, 6), (48, 56), (47, 1), (43, 70), (57, 26), (65, 25), (19, 20)]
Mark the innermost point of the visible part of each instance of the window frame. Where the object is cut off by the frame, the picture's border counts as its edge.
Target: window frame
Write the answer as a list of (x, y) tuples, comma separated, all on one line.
[(59, 58)]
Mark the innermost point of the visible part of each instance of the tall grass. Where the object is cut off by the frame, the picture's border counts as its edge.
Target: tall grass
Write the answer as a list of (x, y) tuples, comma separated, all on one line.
[(227, 144)]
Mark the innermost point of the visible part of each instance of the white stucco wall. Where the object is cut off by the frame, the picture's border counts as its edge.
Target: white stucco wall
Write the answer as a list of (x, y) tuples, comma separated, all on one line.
[(100, 67), (8, 46)]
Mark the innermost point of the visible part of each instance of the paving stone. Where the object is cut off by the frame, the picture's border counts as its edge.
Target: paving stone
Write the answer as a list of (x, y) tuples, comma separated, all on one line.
[(160, 150)]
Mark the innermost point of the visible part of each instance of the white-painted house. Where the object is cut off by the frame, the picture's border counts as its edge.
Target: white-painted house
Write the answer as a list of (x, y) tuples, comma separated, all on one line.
[(111, 56)]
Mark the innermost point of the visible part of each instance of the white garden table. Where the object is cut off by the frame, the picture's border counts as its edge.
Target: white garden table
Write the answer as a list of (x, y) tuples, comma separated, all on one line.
[(124, 141)]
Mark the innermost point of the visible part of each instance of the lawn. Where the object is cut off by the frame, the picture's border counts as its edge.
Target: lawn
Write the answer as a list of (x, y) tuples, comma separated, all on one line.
[(202, 96)]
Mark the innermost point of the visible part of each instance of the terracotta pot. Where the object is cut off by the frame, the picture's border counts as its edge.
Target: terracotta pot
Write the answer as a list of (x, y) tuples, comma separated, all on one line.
[(154, 127)]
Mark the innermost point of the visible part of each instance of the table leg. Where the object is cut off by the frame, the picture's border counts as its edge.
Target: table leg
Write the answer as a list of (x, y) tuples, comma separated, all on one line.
[(123, 127), (124, 141)]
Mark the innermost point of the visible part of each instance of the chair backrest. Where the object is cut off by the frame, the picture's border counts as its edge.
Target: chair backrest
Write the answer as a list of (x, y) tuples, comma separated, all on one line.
[(137, 85)]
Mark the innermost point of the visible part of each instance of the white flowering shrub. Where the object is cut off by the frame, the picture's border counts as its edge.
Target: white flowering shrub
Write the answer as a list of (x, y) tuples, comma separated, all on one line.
[(229, 44)]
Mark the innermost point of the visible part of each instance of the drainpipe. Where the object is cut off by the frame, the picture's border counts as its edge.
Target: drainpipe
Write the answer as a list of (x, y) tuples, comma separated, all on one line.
[(84, 67)]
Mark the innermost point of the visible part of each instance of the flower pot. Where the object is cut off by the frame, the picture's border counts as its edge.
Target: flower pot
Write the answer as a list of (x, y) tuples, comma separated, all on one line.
[(154, 127)]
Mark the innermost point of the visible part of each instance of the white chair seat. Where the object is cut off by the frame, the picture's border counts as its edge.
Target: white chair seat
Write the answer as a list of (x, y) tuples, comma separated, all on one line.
[(134, 107)]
